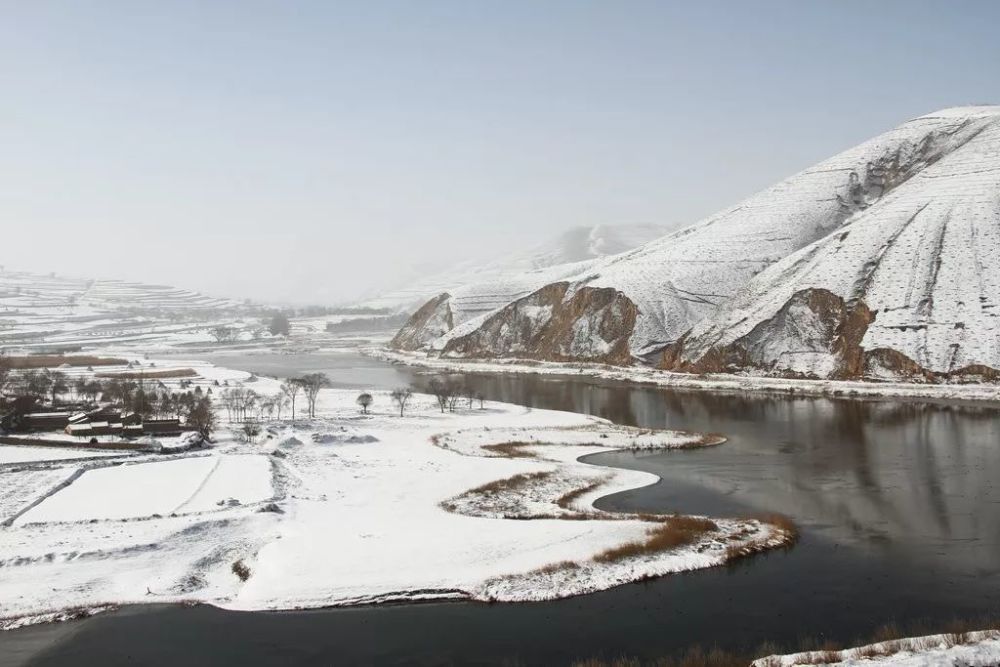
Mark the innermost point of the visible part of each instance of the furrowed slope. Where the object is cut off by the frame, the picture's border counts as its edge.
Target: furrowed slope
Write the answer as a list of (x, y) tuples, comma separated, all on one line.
[(675, 282), (908, 289), (53, 311)]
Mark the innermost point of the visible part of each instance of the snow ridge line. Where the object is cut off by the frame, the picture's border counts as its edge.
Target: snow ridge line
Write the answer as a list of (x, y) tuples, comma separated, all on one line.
[(201, 486), (51, 492)]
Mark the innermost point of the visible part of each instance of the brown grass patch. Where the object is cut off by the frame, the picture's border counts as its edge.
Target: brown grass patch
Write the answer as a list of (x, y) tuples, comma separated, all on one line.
[(511, 450), (567, 499), (510, 483), (781, 522), (552, 568), (823, 657), (150, 375), (871, 652), (887, 632), (56, 360), (673, 532)]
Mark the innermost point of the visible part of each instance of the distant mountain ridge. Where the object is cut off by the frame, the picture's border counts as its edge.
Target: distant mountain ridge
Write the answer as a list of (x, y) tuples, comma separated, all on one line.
[(578, 244), (881, 262), (472, 289)]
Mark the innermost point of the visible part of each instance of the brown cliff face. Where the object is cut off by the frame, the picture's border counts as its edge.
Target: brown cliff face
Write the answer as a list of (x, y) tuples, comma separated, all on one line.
[(590, 324), (814, 326), (821, 328), (433, 319)]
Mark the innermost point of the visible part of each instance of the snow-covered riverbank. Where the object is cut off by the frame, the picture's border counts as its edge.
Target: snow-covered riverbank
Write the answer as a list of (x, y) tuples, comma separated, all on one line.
[(347, 509), (708, 382), (969, 649)]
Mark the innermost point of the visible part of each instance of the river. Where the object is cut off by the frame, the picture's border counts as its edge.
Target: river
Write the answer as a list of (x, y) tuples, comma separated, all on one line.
[(897, 501)]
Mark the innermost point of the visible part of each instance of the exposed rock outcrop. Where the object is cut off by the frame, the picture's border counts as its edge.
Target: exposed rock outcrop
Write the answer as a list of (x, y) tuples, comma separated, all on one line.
[(815, 335), (432, 320), (555, 323)]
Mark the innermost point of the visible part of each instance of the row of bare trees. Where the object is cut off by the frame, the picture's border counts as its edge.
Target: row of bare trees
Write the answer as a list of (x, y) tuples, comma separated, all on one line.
[(243, 404), (450, 392)]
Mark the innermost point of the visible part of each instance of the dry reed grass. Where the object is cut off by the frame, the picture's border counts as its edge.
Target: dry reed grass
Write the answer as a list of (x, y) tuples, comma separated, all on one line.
[(56, 360), (676, 531), (150, 375), (511, 450)]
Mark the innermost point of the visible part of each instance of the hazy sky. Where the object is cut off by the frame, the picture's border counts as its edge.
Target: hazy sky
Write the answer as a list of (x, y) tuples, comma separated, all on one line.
[(309, 151)]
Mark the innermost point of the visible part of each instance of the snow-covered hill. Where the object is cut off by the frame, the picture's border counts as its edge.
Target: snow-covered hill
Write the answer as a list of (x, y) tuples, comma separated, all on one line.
[(891, 245), (909, 288), (53, 310), (474, 289)]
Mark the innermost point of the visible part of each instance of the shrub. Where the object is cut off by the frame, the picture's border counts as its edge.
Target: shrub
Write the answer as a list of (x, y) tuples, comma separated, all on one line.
[(241, 570)]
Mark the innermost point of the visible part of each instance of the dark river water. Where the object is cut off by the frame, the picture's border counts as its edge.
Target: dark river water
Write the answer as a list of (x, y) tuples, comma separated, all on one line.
[(898, 504)]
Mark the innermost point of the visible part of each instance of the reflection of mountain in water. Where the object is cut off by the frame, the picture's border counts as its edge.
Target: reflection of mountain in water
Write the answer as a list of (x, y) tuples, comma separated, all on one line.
[(911, 477)]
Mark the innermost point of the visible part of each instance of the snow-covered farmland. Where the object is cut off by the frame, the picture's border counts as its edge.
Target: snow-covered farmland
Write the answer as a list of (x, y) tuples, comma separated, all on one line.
[(19, 489), (149, 488), (348, 509)]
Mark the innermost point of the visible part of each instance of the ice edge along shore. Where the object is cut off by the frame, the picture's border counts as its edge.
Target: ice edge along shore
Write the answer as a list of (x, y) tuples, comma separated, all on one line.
[(646, 376)]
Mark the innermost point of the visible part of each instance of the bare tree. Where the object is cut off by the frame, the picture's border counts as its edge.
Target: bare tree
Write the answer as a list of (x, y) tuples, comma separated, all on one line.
[(251, 430), (5, 370), (291, 389), (57, 385), (92, 390), (280, 403), (248, 402), (35, 384), (401, 397), (267, 408), (279, 324), (364, 400), (229, 402), (443, 390), (201, 416), (223, 334), (311, 385)]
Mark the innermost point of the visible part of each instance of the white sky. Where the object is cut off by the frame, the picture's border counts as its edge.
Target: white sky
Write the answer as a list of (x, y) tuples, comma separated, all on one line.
[(308, 152)]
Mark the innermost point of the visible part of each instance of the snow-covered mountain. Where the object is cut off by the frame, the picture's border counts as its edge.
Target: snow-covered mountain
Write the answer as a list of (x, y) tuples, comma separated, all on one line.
[(473, 289), (883, 260), (909, 288)]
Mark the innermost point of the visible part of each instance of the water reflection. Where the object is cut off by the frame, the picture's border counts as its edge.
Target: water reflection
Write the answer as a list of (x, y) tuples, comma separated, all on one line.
[(896, 500), (917, 478)]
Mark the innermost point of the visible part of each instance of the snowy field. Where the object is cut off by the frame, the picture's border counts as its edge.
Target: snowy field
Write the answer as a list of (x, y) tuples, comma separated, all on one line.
[(149, 488), (347, 509)]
